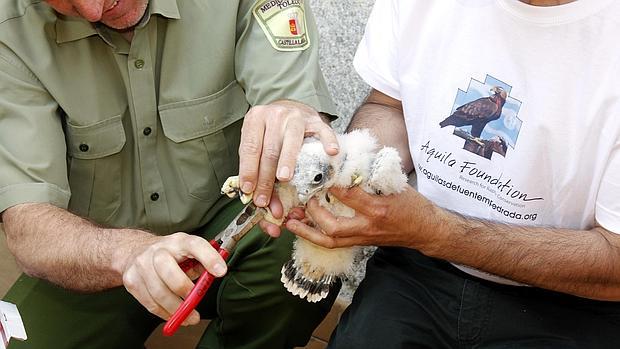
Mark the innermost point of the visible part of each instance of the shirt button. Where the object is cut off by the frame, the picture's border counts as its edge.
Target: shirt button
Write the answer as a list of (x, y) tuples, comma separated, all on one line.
[(154, 197), (84, 147), (139, 63), (147, 131)]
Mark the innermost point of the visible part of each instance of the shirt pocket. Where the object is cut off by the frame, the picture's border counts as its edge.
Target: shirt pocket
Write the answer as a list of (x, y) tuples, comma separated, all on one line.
[(204, 138), (94, 166)]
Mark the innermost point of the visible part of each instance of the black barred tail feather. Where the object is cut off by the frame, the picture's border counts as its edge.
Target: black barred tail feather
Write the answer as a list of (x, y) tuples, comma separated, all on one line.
[(313, 269), (299, 284)]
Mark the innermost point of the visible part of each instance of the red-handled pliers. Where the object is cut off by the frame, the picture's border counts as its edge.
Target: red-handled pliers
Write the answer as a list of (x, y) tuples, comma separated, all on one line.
[(224, 242)]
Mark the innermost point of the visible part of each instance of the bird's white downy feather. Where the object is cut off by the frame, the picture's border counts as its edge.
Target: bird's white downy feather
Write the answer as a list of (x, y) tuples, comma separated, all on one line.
[(312, 268)]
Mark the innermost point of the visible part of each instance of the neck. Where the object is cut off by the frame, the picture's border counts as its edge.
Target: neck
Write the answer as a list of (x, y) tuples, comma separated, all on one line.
[(128, 35), (546, 2)]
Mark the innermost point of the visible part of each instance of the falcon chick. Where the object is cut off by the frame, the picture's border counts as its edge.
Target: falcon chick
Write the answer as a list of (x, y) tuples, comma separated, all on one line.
[(312, 268)]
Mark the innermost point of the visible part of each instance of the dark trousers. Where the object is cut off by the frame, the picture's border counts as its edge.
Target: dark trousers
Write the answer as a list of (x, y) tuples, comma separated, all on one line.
[(408, 300)]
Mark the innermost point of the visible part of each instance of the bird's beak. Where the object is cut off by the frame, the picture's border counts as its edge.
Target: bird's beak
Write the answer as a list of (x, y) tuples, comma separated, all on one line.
[(305, 195)]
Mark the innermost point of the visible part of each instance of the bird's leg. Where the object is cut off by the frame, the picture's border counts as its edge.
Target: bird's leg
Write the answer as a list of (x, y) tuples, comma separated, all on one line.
[(232, 189)]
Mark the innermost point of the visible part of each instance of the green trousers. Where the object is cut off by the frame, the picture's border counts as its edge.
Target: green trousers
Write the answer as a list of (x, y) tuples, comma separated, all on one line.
[(249, 306)]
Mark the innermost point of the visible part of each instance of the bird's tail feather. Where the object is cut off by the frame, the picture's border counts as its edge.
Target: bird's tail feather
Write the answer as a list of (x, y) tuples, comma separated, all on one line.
[(313, 269), (298, 284)]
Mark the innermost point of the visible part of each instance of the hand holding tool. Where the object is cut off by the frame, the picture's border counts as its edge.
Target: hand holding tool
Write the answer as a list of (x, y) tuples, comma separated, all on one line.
[(224, 242)]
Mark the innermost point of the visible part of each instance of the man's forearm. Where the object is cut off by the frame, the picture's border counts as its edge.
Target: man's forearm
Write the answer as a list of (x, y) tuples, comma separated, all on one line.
[(56, 245), (383, 116), (583, 263)]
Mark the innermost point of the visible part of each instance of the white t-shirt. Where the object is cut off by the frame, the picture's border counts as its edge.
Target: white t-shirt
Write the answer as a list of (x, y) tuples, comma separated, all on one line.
[(512, 110)]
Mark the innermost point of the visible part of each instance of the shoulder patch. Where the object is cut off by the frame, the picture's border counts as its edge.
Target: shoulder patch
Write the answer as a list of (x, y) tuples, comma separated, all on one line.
[(284, 23)]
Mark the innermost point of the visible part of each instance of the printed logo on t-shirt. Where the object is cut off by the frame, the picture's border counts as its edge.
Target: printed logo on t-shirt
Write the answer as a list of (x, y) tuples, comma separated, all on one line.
[(485, 116)]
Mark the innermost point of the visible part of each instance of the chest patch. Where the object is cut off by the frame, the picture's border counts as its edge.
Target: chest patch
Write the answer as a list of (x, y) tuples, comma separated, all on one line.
[(284, 24)]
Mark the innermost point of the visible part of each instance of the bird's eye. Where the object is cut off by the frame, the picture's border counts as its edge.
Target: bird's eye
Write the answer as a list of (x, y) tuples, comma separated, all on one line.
[(318, 178)]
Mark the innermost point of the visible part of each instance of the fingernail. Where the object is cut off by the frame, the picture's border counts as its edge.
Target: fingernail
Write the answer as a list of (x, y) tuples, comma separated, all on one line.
[(219, 269), (247, 187), (261, 200), (284, 172), (333, 145)]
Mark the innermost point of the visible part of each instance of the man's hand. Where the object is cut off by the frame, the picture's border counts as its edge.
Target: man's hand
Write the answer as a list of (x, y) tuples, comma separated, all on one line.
[(271, 138), (379, 220), (54, 244), (584, 263), (153, 276)]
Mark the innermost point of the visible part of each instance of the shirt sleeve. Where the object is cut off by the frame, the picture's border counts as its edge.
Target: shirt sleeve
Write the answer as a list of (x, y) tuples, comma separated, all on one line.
[(268, 74), (33, 165), (607, 212), (376, 58)]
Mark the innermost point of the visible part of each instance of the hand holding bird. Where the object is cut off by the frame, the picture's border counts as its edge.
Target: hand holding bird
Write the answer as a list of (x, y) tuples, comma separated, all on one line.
[(360, 162)]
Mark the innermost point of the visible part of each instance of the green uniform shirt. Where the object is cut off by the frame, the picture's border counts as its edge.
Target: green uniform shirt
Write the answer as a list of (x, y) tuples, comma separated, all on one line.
[(143, 134)]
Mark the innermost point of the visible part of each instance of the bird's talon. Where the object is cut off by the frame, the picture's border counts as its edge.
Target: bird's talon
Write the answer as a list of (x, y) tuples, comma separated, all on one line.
[(245, 198), (356, 180), (232, 189), (231, 186)]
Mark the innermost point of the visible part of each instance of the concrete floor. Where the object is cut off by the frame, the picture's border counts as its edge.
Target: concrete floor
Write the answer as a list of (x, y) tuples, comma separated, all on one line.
[(186, 337)]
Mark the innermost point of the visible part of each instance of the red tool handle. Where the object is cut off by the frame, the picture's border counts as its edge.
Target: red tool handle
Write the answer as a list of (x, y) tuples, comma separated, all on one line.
[(195, 295)]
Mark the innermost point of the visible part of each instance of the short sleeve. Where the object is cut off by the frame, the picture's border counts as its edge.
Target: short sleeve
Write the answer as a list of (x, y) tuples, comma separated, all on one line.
[(376, 58), (33, 164), (607, 212), (268, 72)]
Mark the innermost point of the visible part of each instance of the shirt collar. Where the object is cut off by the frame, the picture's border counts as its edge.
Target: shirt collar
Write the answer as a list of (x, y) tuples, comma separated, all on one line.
[(73, 28)]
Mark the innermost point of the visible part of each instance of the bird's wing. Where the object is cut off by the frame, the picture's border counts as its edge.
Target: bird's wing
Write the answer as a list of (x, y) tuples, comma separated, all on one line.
[(386, 174)]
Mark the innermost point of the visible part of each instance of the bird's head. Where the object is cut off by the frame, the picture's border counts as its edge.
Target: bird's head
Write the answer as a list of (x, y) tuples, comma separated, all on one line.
[(499, 92), (313, 171)]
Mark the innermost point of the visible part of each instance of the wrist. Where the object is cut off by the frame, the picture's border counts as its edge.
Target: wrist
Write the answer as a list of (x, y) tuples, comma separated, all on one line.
[(440, 227), (128, 243), (307, 110)]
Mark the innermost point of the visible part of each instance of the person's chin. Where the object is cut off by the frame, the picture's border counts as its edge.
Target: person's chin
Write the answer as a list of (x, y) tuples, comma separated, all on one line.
[(126, 19)]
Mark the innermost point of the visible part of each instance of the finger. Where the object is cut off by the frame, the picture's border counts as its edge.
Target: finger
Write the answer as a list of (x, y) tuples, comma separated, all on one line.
[(168, 270), (250, 149), (270, 229), (291, 145), (328, 139), (315, 236), (275, 206), (296, 213), (178, 282), (201, 250), (355, 198), (195, 272), (160, 293), (138, 287), (272, 145), (335, 226)]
